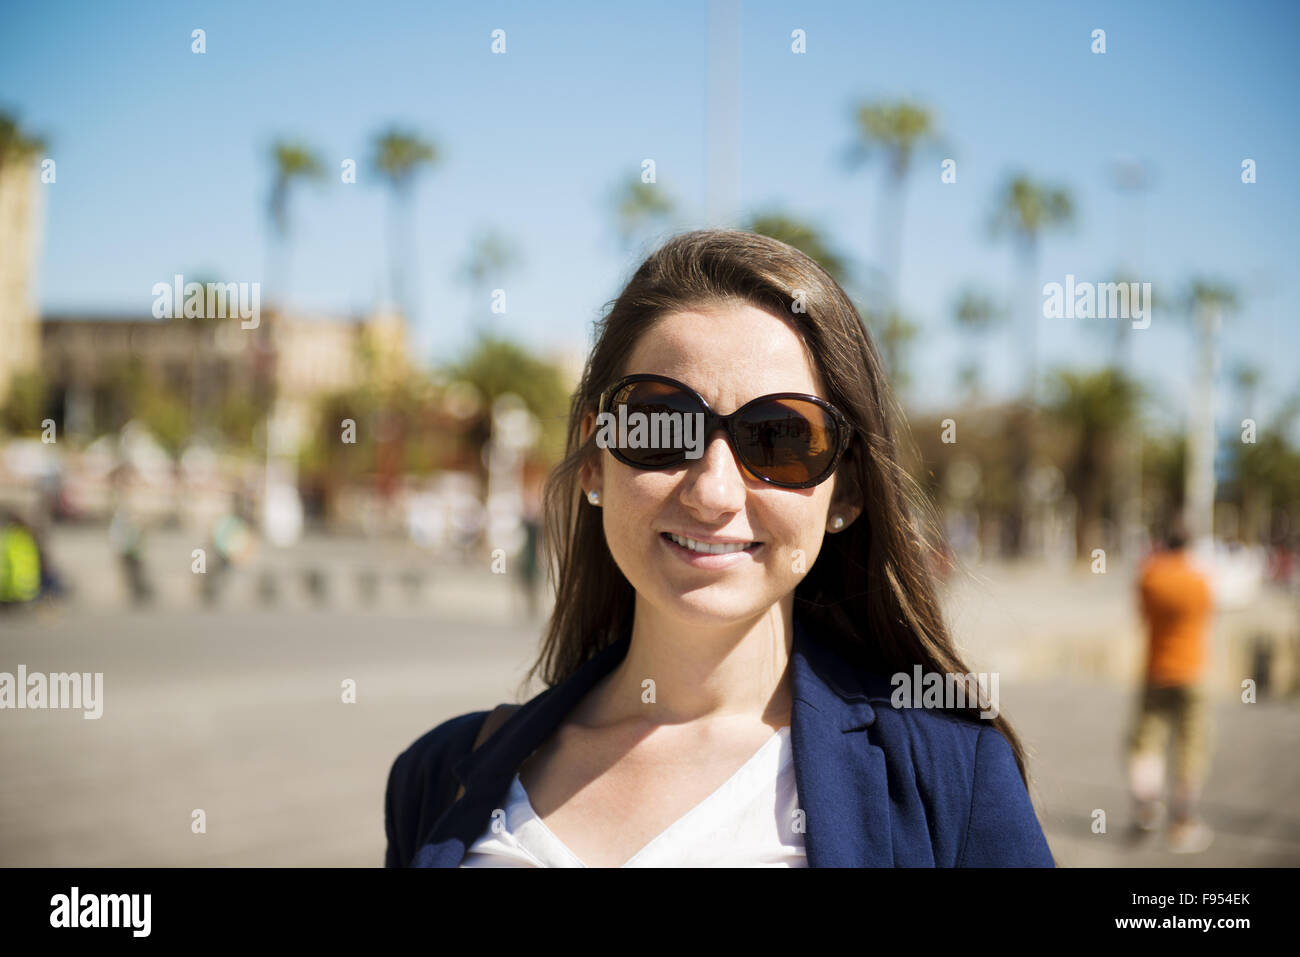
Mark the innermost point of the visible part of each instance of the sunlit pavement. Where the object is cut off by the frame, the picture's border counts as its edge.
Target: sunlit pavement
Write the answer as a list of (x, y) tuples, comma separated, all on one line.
[(239, 715), (1074, 732)]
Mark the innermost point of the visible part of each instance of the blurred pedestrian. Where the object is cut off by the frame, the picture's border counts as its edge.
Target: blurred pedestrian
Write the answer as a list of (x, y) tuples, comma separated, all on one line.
[(528, 564), (20, 561), (52, 584), (230, 543), (1176, 608), (126, 534)]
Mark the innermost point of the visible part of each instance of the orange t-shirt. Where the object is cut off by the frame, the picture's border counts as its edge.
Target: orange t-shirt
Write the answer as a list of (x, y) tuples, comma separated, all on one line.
[(1176, 604)]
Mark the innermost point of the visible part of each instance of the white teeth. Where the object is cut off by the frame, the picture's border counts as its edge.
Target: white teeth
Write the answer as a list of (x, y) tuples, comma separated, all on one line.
[(705, 548)]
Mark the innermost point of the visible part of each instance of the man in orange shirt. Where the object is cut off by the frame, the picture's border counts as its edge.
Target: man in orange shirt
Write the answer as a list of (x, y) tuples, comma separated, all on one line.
[(1177, 607)]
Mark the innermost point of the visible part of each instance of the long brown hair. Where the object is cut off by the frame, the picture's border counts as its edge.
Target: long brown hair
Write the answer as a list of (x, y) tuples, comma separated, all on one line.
[(870, 595)]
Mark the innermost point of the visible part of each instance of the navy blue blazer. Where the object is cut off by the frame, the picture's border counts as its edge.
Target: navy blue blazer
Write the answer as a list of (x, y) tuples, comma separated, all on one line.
[(880, 786)]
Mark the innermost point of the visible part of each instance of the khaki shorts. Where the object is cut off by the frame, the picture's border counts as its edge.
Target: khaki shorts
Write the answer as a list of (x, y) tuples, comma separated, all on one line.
[(1183, 710)]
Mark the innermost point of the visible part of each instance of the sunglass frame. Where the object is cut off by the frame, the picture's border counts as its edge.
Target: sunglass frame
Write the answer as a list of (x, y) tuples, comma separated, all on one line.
[(714, 420)]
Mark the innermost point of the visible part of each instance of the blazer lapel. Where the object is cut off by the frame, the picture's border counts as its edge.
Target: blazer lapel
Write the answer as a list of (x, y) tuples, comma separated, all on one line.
[(486, 773), (840, 774)]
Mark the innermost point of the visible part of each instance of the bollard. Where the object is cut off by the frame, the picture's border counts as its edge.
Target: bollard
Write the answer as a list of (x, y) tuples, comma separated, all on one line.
[(368, 585), (413, 581), (1261, 661), (267, 587), (313, 580)]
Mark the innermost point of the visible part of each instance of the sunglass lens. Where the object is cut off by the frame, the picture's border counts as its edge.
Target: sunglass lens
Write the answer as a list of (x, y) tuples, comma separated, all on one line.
[(651, 399), (790, 441)]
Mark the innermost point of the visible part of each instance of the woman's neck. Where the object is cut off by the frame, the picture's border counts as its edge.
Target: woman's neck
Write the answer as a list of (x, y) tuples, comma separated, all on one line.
[(677, 672)]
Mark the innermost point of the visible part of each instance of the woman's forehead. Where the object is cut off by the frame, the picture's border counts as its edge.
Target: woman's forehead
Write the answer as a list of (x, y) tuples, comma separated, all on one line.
[(739, 352)]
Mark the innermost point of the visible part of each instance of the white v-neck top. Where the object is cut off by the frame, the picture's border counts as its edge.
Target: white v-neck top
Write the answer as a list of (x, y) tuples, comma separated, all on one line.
[(751, 820)]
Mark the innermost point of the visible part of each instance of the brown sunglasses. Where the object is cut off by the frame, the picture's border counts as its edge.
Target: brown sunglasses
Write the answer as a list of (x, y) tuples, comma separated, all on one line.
[(787, 439)]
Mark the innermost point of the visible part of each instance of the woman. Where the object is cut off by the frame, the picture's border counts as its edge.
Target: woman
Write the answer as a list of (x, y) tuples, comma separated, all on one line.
[(732, 616)]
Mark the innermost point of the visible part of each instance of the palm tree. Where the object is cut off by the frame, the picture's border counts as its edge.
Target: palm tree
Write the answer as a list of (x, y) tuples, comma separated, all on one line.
[(1127, 472), (293, 163), (893, 331), (496, 366), (1098, 408), (894, 334), (976, 313), (1206, 301), (1246, 377), (399, 156), (897, 131), (1255, 505), (17, 146), (1026, 210), (805, 237), (1132, 177), (1120, 331), (491, 256), (638, 208), (1268, 473)]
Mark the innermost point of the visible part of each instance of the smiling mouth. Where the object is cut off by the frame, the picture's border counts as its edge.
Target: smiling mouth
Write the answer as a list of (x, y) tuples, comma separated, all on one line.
[(704, 548)]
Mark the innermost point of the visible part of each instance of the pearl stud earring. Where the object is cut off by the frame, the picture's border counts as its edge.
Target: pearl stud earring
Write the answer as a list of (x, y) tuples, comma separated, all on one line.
[(837, 523), (593, 497)]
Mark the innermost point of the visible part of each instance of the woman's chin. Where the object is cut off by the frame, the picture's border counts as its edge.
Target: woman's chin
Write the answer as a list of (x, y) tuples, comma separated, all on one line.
[(714, 606)]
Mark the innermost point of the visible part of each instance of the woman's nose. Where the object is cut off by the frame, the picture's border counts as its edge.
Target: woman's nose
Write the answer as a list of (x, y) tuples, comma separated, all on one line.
[(715, 482)]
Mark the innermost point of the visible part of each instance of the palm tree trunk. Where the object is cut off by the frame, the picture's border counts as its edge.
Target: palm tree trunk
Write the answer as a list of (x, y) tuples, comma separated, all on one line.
[(1088, 481), (1033, 300), (1126, 487), (1201, 437), (278, 272), (410, 257), (395, 291), (889, 233), (1024, 518)]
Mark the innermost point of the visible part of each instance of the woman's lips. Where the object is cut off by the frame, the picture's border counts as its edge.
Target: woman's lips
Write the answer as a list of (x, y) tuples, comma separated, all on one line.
[(706, 560)]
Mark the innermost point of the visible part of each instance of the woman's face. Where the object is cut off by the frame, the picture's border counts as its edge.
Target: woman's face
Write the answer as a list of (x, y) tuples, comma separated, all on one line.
[(729, 356)]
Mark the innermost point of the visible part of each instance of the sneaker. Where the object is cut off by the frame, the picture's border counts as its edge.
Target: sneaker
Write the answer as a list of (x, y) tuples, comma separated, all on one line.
[(1149, 816), (1190, 837)]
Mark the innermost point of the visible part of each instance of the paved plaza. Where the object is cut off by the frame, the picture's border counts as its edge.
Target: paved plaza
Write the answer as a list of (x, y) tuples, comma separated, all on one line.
[(236, 709)]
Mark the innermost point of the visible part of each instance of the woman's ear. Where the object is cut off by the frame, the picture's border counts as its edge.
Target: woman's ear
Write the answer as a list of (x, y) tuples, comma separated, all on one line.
[(841, 517), (590, 474), (846, 497)]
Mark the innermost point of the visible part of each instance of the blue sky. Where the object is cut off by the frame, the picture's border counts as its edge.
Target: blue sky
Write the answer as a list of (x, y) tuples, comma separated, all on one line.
[(162, 154)]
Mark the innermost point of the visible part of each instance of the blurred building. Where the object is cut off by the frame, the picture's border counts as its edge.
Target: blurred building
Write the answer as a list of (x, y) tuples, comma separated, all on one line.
[(290, 358), (20, 218), (318, 354)]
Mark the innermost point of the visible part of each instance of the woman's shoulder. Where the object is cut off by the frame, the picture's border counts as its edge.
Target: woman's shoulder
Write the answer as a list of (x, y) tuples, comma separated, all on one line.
[(941, 744), (901, 713), (938, 740), (964, 771), (421, 784), (435, 750)]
